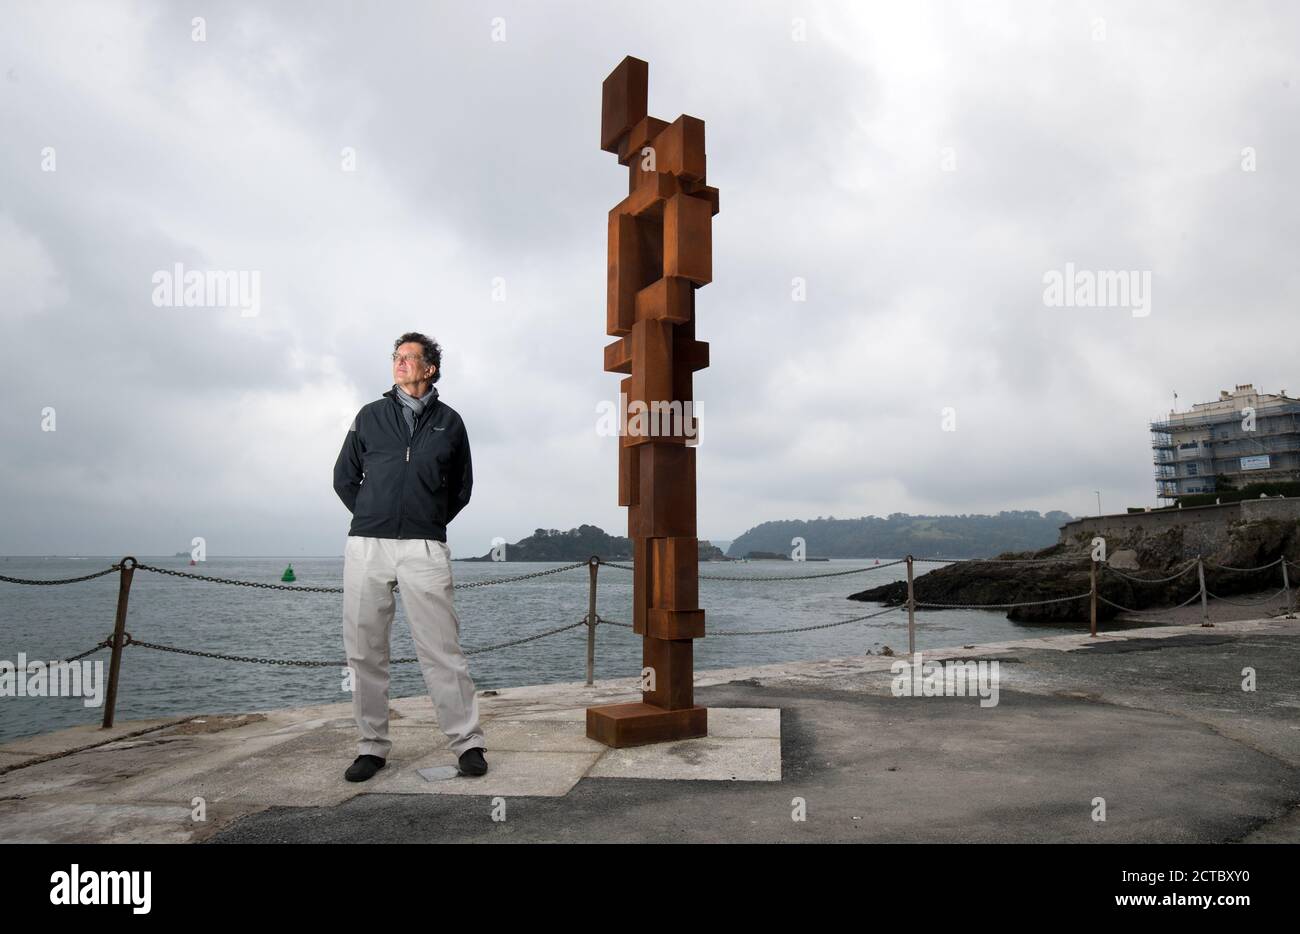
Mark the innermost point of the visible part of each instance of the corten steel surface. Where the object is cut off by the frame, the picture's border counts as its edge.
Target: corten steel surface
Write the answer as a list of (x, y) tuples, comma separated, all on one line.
[(660, 252)]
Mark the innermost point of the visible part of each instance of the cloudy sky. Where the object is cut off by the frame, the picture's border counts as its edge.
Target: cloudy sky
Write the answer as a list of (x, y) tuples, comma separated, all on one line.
[(920, 167)]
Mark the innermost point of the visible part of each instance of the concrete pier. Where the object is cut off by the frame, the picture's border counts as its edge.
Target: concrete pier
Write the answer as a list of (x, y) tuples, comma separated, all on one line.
[(1154, 721)]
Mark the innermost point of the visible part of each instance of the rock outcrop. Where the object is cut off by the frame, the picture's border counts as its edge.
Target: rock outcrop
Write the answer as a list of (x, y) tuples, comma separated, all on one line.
[(1135, 554)]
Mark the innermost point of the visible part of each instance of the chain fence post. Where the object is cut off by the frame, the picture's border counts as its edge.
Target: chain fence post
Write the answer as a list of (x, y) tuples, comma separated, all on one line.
[(119, 629), (1092, 589), (1286, 587), (1205, 604), (911, 610), (593, 565)]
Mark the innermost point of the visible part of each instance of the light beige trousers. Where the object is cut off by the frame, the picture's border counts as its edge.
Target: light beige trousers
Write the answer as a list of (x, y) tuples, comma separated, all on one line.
[(421, 567)]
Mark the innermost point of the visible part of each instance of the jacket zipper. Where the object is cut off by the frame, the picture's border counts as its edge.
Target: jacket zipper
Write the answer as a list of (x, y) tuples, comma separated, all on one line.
[(402, 498)]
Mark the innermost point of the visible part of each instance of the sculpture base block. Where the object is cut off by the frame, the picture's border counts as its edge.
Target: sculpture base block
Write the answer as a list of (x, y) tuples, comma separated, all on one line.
[(637, 724)]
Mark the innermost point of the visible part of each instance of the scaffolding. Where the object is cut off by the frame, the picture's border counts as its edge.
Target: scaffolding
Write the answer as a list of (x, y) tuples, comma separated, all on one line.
[(1227, 443)]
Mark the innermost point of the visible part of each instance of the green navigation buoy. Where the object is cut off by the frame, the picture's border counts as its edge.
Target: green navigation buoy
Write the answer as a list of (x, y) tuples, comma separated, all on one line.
[(288, 574)]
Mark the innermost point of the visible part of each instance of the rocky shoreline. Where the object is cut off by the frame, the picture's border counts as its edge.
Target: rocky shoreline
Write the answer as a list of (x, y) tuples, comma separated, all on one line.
[(1139, 555)]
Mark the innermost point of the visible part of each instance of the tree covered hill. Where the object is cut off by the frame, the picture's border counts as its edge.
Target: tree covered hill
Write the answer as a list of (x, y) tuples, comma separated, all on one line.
[(963, 536), (578, 545)]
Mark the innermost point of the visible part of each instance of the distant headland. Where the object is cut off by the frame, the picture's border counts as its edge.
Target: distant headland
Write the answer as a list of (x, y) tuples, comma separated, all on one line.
[(578, 545), (824, 537)]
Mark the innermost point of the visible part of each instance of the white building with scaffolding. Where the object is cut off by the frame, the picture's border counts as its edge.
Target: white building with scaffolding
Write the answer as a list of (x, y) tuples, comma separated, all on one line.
[(1244, 436)]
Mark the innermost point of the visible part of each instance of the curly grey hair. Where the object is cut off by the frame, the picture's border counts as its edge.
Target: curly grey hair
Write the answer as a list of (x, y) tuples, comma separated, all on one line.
[(432, 352)]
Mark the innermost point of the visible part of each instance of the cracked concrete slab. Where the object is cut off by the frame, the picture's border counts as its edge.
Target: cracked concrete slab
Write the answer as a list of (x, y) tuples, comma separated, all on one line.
[(77, 736)]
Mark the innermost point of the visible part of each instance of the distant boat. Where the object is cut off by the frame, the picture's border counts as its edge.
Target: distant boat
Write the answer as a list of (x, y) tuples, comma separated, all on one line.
[(288, 575)]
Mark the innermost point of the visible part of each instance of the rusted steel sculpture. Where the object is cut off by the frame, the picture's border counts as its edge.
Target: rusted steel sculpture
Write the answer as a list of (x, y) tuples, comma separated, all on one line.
[(660, 252)]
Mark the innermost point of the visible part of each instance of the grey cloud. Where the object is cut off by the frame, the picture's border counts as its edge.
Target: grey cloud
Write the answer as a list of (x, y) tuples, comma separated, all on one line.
[(480, 159)]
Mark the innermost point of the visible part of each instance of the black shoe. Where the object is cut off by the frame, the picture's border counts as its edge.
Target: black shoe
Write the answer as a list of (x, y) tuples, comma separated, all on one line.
[(472, 762), (363, 768)]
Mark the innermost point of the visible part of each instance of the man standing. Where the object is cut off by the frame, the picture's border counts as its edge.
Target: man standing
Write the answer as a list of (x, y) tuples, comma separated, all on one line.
[(404, 473)]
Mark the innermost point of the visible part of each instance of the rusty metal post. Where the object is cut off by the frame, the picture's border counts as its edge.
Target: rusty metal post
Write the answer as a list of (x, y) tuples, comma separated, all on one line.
[(911, 610), (1205, 604), (1092, 588), (119, 630), (593, 565)]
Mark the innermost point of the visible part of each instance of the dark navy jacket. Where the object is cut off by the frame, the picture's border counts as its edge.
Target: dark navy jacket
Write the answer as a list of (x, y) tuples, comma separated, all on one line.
[(403, 484)]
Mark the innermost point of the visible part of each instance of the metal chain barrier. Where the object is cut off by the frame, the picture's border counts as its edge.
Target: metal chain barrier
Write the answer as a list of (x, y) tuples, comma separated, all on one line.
[(540, 635), (765, 632), (237, 583), (106, 644), (1224, 567), (1170, 609), (300, 663), (66, 580), (245, 658), (592, 620), (839, 622), (1210, 593), (1148, 580), (792, 577), (999, 606), (996, 560), (766, 578), (520, 577), (466, 586)]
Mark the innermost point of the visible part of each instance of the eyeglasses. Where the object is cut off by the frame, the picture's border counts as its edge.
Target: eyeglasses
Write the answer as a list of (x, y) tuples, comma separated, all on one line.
[(410, 357)]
